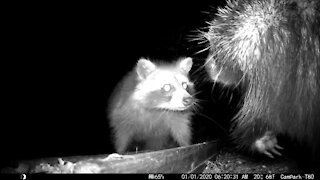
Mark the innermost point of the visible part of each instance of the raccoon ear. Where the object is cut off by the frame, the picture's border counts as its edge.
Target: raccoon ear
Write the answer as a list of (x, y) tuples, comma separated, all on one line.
[(185, 64), (144, 68)]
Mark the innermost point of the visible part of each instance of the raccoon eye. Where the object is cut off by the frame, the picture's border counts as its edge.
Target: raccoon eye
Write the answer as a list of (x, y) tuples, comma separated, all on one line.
[(184, 85), (166, 87)]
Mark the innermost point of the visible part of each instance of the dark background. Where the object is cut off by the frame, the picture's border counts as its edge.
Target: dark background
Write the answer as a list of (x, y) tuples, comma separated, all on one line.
[(63, 60)]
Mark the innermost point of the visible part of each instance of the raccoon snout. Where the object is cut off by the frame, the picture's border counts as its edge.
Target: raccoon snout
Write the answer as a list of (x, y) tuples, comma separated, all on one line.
[(187, 101)]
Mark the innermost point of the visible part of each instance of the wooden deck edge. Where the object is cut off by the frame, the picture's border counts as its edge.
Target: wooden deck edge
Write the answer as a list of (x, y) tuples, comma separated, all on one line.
[(176, 160)]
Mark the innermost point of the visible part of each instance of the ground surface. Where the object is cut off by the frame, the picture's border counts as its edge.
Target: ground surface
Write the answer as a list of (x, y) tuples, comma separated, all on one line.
[(226, 161), (231, 162)]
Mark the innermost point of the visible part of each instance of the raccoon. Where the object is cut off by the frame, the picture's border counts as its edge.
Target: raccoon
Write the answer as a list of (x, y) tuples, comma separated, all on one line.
[(151, 107)]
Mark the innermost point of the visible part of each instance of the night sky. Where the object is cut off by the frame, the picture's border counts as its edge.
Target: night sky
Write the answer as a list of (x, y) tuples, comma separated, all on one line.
[(65, 59)]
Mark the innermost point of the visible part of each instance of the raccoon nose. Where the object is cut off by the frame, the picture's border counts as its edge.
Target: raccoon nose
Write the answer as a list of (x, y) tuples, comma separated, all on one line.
[(187, 101)]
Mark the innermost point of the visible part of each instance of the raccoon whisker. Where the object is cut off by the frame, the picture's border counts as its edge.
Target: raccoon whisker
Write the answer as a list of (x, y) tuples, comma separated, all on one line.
[(196, 93), (197, 100), (196, 107)]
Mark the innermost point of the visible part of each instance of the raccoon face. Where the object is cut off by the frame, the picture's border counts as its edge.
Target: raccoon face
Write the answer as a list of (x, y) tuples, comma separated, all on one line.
[(174, 94), (164, 87)]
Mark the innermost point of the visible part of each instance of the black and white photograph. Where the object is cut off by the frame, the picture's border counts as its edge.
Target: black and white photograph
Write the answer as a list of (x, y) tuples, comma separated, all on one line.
[(196, 89)]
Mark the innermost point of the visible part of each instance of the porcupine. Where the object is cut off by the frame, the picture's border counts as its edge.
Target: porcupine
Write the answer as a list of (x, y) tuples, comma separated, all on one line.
[(272, 49)]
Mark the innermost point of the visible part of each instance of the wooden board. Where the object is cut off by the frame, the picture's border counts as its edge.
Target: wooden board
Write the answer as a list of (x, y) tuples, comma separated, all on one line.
[(176, 160)]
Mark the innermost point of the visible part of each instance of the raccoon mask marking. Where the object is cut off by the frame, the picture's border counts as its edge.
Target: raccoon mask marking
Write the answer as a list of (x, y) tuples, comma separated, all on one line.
[(164, 87)]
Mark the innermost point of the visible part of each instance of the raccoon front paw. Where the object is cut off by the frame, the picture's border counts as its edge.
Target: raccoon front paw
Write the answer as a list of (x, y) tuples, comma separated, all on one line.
[(268, 145)]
